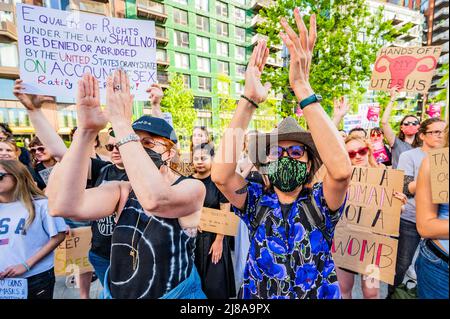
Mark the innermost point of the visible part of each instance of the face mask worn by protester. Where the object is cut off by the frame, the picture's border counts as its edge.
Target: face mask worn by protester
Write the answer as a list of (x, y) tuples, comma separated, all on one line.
[(287, 174)]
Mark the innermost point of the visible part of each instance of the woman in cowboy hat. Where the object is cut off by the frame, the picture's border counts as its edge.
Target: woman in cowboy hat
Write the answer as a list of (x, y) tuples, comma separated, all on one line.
[(291, 225)]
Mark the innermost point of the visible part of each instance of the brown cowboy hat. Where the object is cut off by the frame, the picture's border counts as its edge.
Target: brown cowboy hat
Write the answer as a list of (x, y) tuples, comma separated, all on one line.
[(287, 130)]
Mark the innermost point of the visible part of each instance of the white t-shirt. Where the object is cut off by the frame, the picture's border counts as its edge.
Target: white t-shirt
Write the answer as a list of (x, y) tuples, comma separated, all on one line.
[(16, 246)]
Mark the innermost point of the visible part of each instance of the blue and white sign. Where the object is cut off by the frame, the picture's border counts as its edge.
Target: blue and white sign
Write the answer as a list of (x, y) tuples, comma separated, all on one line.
[(13, 288)]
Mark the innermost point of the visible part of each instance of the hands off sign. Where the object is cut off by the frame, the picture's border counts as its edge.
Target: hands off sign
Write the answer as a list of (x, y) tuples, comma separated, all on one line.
[(71, 256), (411, 68), (13, 288), (439, 175), (219, 222), (57, 47)]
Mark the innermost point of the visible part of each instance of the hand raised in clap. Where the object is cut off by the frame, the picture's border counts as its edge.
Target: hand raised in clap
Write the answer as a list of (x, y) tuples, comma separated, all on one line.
[(32, 102), (394, 91), (341, 106), (254, 89), (119, 100), (155, 94), (301, 47), (89, 113)]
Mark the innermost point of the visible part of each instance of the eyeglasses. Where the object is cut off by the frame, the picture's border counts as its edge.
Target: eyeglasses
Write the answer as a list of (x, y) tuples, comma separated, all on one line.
[(40, 149), (149, 142), (414, 123), (362, 151), (111, 147), (294, 151), (2, 175), (376, 134), (435, 133)]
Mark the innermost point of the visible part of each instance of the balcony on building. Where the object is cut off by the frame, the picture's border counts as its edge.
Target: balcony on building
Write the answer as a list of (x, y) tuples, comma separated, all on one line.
[(274, 47), (441, 26), (260, 4), (445, 48), (440, 4), (163, 79), (94, 7), (8, 31), (161, 35), (441, 14), (161, 58), (276, 62), (440, 38), (443, 59), (151, 10), (257, 20)]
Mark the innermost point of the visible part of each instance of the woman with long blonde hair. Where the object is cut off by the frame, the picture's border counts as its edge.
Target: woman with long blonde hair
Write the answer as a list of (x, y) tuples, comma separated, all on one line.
[(28, 235)]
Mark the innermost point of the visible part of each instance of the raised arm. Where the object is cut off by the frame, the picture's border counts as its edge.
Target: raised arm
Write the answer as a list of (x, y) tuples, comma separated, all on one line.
[(153, 190), (325, 134), (44, 130), (66, 189), (223, 173), (428, 223), (341, 108), (385, 126), (156, 94)]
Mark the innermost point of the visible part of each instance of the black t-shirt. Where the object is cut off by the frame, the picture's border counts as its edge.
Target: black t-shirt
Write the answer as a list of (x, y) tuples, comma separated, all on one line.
[(213, 197), (102, 229)]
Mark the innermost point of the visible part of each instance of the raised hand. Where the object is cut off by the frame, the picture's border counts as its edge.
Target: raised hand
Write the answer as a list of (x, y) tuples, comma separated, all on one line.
[(156, 94), (119, 100), (301, 47), (89, 113), (341, 106), (254, 89), (32, 102), (393, 92)]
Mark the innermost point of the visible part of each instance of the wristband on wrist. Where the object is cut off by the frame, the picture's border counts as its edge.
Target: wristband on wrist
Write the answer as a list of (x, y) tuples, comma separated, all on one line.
[(315, 98), (26, 266), (129, 138), (250, 101)]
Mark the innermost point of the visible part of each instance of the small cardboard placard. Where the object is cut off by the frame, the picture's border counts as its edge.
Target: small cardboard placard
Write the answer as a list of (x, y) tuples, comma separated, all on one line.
[(13, 288), (219, 221), (71, 256), (411, 68), (439, 175)]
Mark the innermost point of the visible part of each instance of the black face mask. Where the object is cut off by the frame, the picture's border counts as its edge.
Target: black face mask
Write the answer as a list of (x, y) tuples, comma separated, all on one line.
[(156, 157)]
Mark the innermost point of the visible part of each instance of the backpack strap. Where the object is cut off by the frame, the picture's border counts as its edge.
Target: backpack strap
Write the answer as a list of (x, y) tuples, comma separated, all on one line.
[(315, 216), (260, 216)]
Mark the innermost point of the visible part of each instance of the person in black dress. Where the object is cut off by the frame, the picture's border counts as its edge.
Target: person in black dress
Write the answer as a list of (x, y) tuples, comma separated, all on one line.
[(212, 253)]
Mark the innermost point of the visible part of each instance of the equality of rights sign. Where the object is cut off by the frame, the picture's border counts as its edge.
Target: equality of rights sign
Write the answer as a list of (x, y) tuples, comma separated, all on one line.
[(410, 68), (57, 47)]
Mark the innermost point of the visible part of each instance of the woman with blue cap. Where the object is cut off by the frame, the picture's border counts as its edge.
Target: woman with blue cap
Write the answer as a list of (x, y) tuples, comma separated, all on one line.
[(152, 254)]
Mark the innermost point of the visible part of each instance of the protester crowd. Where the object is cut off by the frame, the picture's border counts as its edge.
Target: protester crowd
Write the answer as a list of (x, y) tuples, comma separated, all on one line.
[(145, 215)]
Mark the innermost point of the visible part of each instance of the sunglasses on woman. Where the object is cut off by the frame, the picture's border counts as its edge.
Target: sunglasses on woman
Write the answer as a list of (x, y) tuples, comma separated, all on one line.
[(111, 147), (376, 134), (362, 151), (40, 149), (294, 151), (2, 175), (149, 142), (414, 123)]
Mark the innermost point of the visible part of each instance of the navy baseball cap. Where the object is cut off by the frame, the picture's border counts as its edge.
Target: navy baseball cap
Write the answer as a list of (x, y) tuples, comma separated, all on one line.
[(155, 126)]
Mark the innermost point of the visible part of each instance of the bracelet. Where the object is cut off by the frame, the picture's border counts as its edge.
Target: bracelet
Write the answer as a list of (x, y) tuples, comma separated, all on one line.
[(129, 138), (250, 101), (26, 266)]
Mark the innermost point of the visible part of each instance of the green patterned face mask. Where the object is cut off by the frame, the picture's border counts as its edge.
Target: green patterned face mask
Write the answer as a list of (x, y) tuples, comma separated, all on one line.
[(287, 174)]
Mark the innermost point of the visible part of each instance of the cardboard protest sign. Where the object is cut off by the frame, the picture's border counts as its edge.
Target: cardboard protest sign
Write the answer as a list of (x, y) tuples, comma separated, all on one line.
[(371, 204), (57, 47), (411, 68), (71, 256), (13, 288), (219, 221), (365, 253), (439, 175)]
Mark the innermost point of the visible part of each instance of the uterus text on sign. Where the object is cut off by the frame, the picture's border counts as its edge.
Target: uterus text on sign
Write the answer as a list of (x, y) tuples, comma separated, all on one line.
[(371, 204), (409, 68)]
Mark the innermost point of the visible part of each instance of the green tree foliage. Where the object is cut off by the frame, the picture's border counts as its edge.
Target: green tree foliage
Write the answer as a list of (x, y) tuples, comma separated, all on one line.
[(348, 39), (179, 101)]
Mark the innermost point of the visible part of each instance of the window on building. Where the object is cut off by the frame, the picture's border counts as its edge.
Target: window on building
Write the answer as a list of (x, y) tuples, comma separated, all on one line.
[(8, 55), (240, 70), (161, 55), (241, 2), (222, 29), (203, 64), (187, 81), (239, 88), (202, 4), (204, 84), (202, 44), (240, 53), (181, 60), (223, 67), (222, 48), (240, 34), (201, 102), (239, 15), (223, 87), (181, 1), (182, 39), (222, 9), (203, 23), (180, 16)]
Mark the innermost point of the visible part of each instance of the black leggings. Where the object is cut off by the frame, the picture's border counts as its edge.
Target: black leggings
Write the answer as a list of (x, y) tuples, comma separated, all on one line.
[(41, 286)]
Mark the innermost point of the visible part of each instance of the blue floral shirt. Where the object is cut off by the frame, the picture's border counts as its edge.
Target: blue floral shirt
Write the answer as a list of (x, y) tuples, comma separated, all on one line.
[(288, 258)]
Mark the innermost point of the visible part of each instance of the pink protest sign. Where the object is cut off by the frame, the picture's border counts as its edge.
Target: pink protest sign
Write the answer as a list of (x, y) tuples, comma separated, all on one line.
[(379, 152), (434, 110), (410, 68), (373, 113)]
